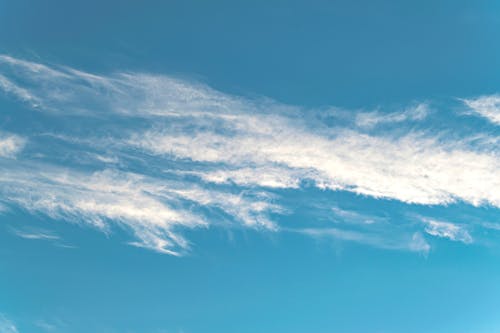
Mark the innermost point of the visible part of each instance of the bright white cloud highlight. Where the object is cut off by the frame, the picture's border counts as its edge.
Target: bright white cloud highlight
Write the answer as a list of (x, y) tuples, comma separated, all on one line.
[(448, 230), (10, 145), (486, 106), (412, 168)]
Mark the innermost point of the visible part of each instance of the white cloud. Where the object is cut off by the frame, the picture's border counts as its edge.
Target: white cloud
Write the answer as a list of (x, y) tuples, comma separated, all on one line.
[(412, 168), (151, 208), (7, 326), (39, 234), (372, 119), (23, 94), (266, 176), (32, 68), (10, 144), (66, 90), (351, 216), (448, 230), (486, 106), (256, 145), (414, 242)]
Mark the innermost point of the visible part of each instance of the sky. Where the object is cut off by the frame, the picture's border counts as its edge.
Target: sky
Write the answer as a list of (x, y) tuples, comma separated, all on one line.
[(249, 166)]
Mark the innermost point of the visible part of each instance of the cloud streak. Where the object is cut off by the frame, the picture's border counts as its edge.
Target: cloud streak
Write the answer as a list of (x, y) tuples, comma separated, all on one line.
[(152, 209), (415, 242), (36, 234), (155, 155), (374, 118), (448, 230), (412, 168), (10, 145), (7, 326), (486, 106)]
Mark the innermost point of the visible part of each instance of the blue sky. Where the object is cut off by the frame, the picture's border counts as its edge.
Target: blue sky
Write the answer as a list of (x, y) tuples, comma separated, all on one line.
[(264, 166)]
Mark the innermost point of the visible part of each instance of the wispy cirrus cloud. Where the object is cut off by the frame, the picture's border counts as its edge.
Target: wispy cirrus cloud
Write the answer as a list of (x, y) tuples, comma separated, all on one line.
[(10, 144), (351, 216), (6, 325), (448, 230), (487, 106), (413, 168), (36, 234), (154, 154), (40, 234), (374, 118), (407, 242), (152, 209)]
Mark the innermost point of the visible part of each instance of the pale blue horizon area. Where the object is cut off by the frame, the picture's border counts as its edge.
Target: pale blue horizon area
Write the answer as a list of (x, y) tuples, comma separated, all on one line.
[(347, 124)]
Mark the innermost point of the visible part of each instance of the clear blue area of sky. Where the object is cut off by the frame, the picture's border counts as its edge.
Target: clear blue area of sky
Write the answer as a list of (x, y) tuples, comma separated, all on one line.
[(351, 54)]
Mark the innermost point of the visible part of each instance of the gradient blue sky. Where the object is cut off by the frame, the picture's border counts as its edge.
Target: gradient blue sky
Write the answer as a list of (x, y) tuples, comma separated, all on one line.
[(260, 166)]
